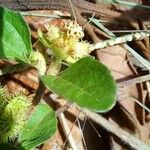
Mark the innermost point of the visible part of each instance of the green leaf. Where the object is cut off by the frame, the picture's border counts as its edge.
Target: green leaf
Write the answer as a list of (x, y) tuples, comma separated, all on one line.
[(15, 39), (87, 82), (41, 126)]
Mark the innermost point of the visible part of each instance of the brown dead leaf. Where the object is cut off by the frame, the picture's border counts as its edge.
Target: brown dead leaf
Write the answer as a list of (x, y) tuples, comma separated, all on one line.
[(130, 118)]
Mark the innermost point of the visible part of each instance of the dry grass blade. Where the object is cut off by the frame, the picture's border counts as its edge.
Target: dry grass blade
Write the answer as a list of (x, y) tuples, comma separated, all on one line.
[(133, 52), (134, 81), (126, 137)]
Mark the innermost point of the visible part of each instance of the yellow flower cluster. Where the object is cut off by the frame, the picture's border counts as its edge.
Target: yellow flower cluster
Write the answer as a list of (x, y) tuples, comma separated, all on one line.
[(66, 43)]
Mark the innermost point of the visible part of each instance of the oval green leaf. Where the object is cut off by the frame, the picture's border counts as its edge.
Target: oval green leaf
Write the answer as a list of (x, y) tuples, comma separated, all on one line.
[(87, 82), (41, 126), (15, 39)]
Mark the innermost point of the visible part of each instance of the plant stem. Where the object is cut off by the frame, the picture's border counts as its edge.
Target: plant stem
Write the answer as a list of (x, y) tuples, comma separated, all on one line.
[(126, 137), (39, 93), (13, 68), (122, 39)]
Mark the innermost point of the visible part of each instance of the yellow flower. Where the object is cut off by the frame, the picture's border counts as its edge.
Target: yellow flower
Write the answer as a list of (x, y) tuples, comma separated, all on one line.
[(73, 30), (53, 32), (80, 49), (66, 43)]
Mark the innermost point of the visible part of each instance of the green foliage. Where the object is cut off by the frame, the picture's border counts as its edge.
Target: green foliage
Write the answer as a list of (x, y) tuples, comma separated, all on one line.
[(15, 40), (41, 126), (87, 83)]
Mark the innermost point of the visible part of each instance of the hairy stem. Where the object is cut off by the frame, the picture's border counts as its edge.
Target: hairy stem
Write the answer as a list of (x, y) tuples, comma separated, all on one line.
[(39, 93)]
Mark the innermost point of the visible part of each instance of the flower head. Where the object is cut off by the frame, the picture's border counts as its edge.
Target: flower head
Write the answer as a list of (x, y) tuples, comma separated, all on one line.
[(13, 115), (73, 30), (66, 43), (53, 32)]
